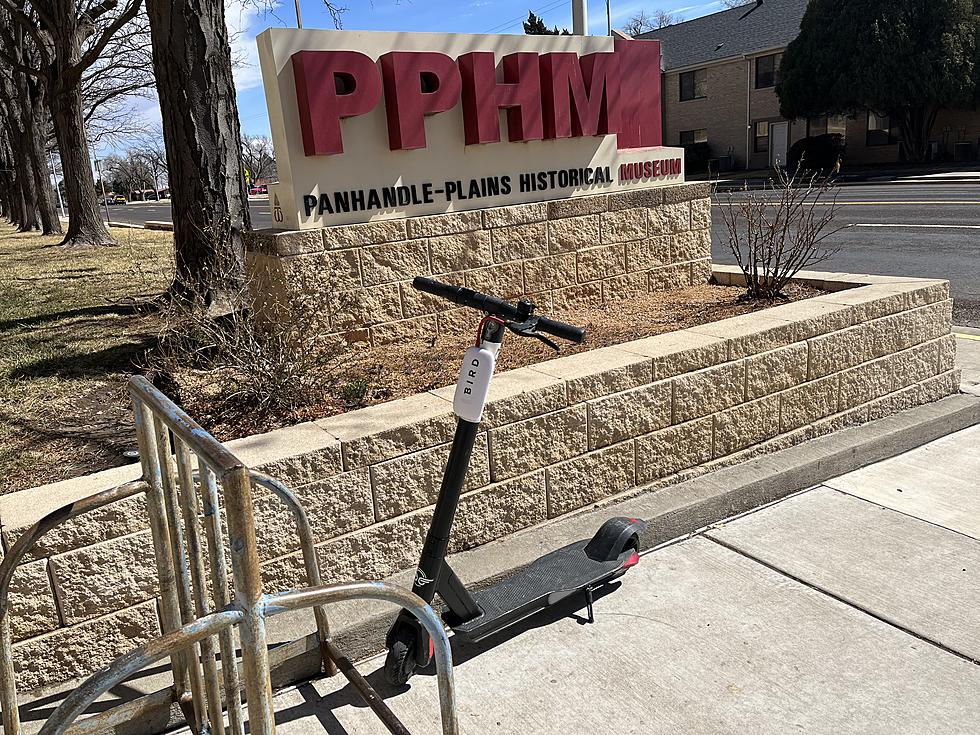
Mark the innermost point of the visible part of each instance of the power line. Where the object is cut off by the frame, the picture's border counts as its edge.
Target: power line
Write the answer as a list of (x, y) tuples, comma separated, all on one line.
[(507, 24)]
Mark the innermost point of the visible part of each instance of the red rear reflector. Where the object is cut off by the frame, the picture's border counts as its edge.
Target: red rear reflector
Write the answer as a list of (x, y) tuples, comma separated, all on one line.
[(432, 646), (632, 561)]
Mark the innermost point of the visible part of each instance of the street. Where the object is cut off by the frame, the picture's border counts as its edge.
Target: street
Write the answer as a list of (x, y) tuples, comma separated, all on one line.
[(905, 229)]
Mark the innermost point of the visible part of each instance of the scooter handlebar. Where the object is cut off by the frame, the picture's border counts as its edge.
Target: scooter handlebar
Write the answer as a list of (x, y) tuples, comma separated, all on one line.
[(497, 307)]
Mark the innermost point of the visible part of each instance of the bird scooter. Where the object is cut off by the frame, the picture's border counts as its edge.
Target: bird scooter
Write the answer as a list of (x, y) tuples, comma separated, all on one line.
[(578, 568)]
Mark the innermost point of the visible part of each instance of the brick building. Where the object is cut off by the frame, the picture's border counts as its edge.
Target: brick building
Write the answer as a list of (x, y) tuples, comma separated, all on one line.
[(719, 86)]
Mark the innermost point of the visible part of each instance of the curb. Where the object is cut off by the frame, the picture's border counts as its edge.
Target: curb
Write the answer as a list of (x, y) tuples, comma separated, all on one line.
[(758, 184), (672, 512)]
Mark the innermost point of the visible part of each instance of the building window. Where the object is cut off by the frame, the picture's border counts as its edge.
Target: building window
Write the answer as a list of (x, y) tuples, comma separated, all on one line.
[(879, 129), (826, 124), (690, 137), (694, 85), (761, 136), (767, 70)]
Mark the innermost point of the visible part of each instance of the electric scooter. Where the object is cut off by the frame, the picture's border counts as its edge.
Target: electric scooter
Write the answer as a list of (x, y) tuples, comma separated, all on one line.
[(576, 569)]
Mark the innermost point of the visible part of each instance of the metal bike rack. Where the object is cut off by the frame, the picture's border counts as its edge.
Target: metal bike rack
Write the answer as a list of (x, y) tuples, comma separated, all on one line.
[(189, 478)]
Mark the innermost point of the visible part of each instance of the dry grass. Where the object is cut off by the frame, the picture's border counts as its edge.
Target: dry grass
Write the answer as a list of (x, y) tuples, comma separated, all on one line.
[(69, 336), (71, 331)]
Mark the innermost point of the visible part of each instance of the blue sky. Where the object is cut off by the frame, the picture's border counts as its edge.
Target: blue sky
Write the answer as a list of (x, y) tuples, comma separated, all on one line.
[(455, 16)]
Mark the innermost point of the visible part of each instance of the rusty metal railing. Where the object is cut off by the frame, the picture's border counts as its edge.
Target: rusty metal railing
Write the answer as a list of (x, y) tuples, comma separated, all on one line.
[(192, 481)]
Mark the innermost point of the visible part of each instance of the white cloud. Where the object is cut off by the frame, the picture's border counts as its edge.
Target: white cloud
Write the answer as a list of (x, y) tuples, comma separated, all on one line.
[(245, 20)]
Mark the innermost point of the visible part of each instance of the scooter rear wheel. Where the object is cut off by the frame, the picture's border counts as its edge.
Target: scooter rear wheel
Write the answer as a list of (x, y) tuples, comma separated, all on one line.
[(400, 663)]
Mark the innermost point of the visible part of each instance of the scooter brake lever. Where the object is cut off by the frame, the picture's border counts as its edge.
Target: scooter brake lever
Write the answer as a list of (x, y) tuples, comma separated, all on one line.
[(528, 329)]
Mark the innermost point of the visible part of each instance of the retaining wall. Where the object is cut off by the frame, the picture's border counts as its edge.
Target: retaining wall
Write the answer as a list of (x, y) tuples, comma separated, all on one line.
[(558, 436), (585, 250)]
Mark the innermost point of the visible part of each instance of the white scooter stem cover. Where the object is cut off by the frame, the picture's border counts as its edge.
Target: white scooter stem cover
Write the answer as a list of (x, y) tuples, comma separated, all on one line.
[(473, 384)]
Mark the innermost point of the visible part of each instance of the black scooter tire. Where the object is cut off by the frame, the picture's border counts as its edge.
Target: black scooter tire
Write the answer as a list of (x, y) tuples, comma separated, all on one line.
[(400, 663)]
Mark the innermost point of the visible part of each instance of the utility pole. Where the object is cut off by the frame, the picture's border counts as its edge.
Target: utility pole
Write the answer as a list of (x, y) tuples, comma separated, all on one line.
[(105, 199), (57, 186), (608, 20), (580, 18), (299, 20)]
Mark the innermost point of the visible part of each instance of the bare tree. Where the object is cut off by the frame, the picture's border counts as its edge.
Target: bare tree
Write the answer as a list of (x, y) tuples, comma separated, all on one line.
[(643, 23), (259, 157), (737, 3), (776, 232), (69, 37)]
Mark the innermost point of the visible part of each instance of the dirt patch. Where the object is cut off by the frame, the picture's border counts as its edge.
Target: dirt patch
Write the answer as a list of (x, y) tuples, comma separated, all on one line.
[(369, 375)]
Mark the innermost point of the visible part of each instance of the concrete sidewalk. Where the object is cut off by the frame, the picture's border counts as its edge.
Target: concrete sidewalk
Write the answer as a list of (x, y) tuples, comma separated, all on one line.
[(968, 358), (852, 607)]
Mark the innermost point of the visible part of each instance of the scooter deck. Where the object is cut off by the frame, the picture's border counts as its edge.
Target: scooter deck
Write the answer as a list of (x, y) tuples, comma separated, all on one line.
[(547, 581)]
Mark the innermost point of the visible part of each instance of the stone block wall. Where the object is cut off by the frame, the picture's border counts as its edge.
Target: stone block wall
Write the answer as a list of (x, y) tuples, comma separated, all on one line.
[(557, 437), (587, 250)]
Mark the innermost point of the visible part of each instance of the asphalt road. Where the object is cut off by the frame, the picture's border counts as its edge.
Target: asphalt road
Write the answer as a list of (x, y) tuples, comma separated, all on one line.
[(911, 229)]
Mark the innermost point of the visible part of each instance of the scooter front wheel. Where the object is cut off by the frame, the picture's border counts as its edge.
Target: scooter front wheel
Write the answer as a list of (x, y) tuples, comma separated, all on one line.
[(400, 664)]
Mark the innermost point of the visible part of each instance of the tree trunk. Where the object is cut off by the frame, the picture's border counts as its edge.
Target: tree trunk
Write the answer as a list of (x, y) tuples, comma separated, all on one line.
[(192, 64), (50, 223), (915, 125), (85, 225)]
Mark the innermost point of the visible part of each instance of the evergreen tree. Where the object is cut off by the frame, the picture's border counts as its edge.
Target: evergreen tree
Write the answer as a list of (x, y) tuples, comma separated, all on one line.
[(534, 26)]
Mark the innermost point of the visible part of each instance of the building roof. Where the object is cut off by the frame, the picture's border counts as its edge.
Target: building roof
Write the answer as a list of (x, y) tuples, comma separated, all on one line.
[(757, 26)]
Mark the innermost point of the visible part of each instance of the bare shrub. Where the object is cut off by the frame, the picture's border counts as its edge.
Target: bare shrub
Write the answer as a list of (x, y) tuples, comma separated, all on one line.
[(230, 360), (776, 232)]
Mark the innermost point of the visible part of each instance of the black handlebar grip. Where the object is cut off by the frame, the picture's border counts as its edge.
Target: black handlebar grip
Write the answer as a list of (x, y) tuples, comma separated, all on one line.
[(438, 288), (561, 330)]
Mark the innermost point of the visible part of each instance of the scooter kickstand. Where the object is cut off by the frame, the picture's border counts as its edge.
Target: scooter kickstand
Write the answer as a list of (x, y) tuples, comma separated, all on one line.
[(588, 601)]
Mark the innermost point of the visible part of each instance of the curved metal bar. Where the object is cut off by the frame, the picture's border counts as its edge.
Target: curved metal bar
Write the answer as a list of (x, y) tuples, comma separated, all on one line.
[(27, 541), (306, 543), (298, 599), (130, 663)]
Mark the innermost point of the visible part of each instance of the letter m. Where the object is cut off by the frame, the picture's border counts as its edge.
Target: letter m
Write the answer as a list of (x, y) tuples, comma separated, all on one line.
[(580, 96)]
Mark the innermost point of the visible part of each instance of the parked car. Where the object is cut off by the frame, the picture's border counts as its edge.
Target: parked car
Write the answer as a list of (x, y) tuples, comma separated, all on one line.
[(115, 199), (263, 189)]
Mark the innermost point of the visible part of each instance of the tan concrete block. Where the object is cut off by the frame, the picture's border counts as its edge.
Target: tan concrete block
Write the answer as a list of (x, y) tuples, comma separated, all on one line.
[(900, 400), (836, 351), (624, 286), (412, 481), (126, 575), (517, 215), (947, 354), (585, 294), (809, 402), (750, 334), (444, 224), (601, 262), (519, 394), (814, 317), (843, 420), (573, 233), (590, 478), (376, 433), (900, 331), (499, 510), (683, 351), (771, 372), (322, 271), (671, 450), (653, 252), (636, 198), (944, 384), (76, 652), (462, 251), (114, 520), (623, 225), (372, 553), (629, 414), (505, 280), (283, 244), (701, 214), (554, 271), (686, 192), (367, 233), (693, 245), (525, 446), (745, 425), (365, 307), (416, 328), (30, 601), (418, 303), (334, 506), (519, 242), (600, 372), (295, 455), (700, 272), (668, 277), (670, 219), (708, 391), (577, 206), (878, 300), (395, 262), (888, 374), (456, 321)]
